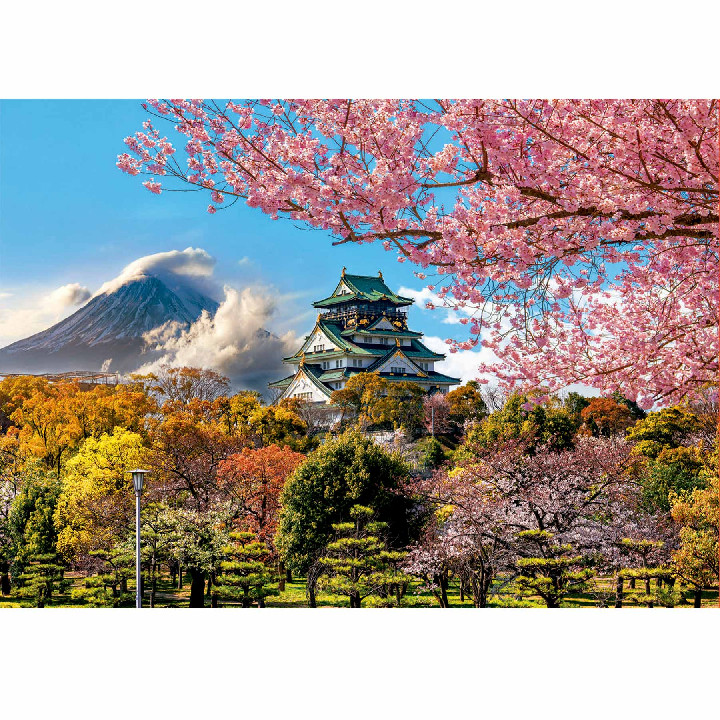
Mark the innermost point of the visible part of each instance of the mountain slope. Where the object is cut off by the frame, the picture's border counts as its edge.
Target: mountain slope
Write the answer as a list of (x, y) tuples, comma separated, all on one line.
[(109, 327)]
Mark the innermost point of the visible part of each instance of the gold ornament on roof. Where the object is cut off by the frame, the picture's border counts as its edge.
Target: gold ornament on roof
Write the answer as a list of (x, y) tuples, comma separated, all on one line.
[(380, 274), (302, 358), (342, 274)]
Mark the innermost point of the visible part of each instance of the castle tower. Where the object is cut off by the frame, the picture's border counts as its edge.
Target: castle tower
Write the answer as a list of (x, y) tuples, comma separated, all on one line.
[(361, 327)]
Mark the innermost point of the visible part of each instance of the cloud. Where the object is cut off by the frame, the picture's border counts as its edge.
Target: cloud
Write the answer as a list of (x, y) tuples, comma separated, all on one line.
[(5, 295), (462, 364), (39, 311), (68, 296), (190, 263), (234, 342)]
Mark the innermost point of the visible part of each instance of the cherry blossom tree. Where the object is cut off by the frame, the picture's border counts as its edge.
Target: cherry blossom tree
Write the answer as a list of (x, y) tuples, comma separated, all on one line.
[(580, 238), (498, 511)]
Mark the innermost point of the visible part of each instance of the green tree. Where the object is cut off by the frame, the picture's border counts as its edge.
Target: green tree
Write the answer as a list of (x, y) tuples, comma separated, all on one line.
[(348, 470), (31, 519), (432, 454), (402, 407), (358, 564), (42, 578), (575, 403), (249, 575), (108, 587), (644, 554), (547, 423), (674, 470), (549, 569)]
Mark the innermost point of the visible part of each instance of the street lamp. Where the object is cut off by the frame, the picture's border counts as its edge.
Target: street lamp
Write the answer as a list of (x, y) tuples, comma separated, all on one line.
[(138, 476)]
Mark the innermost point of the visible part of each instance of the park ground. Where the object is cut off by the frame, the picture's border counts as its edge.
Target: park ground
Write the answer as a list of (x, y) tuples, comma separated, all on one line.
[(294, 596)]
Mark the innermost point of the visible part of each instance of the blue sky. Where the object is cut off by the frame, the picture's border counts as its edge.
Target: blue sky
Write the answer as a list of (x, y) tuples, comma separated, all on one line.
[(68, 215)]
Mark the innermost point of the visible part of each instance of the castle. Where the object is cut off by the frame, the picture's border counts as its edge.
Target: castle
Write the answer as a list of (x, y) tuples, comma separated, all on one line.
[(361, 327)]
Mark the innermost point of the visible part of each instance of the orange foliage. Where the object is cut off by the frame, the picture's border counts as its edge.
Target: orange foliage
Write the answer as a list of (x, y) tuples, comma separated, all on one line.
[(255, 479)]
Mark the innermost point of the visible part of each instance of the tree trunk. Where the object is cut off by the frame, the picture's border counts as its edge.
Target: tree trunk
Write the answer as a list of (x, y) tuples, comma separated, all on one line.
[(180, 577), (288, 575), (354, 600), (443, 589), (618, 591), (214, 600), (153, 582), (123, 584), (632, 583), (5, 578), (281, 576), (209, 585), (697, 598), (312, 578), (197, 588)]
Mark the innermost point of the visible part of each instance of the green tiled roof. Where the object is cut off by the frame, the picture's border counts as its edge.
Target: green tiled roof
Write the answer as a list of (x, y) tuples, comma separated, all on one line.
[(431, 377), (282, 383), (416, 350), (365, 288)]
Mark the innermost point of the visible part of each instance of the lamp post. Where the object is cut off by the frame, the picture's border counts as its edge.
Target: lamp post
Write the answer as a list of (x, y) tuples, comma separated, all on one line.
[(138, 476)]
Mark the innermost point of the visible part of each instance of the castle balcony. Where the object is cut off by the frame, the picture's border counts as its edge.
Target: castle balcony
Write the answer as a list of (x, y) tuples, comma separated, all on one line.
[(351, 318)]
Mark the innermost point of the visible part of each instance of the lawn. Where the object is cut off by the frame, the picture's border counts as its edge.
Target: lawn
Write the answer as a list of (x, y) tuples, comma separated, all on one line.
[(294, 596)]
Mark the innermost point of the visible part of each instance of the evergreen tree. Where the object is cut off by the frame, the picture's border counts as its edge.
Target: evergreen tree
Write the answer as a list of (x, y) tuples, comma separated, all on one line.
[(549, 569), (42, 578), (348, 470), (643, 553), (109, 587), (357, 563), (248, 576)]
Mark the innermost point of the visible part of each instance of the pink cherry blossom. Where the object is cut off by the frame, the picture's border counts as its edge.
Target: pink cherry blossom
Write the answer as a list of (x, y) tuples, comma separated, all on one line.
[(581, 236)]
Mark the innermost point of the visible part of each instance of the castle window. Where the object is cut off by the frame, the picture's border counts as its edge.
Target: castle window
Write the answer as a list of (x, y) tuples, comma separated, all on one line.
[(397, 370), (304, 395), (319, 348), (338, 363), (325, 364)]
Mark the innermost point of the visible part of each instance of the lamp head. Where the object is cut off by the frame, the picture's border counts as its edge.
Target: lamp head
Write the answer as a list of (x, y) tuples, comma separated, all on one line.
[(138, 477)]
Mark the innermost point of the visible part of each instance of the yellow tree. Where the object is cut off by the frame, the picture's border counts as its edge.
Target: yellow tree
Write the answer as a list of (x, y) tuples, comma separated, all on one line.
[(696, 559), (361, 398), (95, 507)]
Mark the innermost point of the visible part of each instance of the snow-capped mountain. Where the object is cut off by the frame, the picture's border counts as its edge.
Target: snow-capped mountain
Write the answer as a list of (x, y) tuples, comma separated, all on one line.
[(108, 328)]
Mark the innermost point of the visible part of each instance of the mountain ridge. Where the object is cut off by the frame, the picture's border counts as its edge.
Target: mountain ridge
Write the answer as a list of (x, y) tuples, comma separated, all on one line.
[(109, 327)]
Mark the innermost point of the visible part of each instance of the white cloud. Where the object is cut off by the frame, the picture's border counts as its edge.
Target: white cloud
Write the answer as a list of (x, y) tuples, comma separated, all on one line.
[(5, 295), (190, 263), (39, 311), (234, 342), (463, 363), (68, 296)]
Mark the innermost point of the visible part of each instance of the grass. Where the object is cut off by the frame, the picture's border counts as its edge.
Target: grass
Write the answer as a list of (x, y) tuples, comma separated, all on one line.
[(294, 596)]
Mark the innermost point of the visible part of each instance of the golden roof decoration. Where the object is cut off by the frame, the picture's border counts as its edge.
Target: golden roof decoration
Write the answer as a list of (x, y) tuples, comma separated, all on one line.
[(380, 274), (343, 272)]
